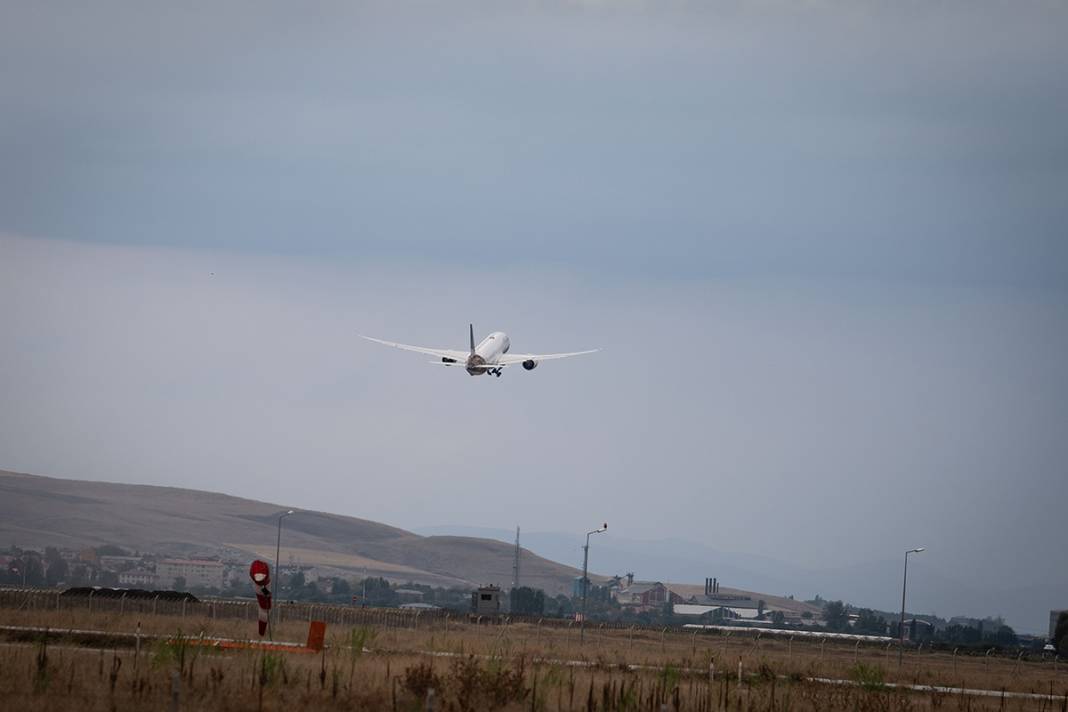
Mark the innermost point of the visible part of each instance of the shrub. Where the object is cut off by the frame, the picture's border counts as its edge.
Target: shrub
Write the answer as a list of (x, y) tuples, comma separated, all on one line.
[(870, 677), (420, 678)]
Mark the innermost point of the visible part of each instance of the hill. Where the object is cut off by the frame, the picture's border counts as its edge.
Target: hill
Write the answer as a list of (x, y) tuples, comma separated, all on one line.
[(38, 511)]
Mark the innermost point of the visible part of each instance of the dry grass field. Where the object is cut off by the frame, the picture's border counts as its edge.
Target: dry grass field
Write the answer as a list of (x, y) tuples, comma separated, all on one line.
[(482, 667)]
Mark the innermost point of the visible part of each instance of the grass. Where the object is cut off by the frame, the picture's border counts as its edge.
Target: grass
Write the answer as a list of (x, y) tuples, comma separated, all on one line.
[(461, 666)]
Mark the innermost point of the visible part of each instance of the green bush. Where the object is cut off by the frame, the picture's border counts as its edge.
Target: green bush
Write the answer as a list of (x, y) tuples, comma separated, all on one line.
[(870, 677)]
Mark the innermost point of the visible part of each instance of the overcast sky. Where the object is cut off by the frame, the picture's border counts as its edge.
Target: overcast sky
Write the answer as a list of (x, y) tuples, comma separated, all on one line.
[(822, 244)]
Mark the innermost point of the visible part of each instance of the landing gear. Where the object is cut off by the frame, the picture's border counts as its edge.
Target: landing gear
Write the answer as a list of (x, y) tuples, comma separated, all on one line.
[(494, 371)]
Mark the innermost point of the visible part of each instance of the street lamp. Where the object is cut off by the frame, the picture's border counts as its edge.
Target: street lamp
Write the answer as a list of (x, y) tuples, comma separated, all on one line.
[(901, 624), (277, 571), (585, 578)]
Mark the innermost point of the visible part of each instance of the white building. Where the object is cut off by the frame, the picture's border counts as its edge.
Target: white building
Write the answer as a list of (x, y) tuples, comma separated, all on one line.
[(118, 563), (139, 578), (195, 572)]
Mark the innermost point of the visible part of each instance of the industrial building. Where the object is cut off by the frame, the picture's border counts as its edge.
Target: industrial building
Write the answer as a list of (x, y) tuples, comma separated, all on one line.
[(646, 595)]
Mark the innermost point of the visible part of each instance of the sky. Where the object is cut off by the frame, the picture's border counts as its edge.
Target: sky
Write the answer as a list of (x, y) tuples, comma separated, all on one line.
[(822, 246)]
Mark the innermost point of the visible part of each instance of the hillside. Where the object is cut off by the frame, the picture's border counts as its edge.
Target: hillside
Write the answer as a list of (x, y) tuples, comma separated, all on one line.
[(38, 511)]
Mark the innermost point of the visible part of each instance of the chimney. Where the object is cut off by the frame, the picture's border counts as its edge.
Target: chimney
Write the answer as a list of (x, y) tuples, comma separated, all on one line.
[(715, 586)]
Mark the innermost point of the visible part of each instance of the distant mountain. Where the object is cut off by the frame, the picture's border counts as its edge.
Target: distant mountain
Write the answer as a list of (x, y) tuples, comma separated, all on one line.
[(661, 560), (875, 584), (44, 511)]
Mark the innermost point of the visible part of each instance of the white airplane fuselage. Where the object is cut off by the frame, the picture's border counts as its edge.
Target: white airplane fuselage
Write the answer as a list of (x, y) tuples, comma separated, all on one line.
[(487, 353)]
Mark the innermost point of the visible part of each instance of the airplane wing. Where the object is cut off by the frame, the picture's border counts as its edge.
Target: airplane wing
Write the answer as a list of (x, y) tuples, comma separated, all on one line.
[(460, 356), (513, 359)]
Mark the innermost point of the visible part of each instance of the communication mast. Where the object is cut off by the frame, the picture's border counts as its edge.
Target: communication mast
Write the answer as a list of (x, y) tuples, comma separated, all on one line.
[(515, 561)]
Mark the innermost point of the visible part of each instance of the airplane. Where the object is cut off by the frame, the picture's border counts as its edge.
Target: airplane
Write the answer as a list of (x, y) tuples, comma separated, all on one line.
[(490, 356)]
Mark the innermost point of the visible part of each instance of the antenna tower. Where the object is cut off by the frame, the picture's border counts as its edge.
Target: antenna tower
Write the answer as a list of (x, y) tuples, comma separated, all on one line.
[(515, 562)]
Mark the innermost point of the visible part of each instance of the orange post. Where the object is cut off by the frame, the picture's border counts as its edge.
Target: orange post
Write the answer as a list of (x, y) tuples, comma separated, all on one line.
[(316, 635)]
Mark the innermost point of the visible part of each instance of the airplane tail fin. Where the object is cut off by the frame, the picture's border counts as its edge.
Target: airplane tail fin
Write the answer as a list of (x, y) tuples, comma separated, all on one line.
[(472, 337)]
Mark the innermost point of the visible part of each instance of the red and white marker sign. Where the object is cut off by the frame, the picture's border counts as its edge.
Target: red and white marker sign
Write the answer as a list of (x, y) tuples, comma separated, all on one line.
[(260, 574)]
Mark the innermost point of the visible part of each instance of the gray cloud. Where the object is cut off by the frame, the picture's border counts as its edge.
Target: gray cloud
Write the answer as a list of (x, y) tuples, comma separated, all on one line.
[(877, 140)]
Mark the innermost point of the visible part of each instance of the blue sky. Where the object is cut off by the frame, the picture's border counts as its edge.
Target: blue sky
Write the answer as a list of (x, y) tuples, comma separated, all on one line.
[(823, 245)]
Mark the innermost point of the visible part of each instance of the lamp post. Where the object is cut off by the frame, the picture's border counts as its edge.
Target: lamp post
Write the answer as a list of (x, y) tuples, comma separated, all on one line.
[(901, 624), (277, 571), (585, 578)]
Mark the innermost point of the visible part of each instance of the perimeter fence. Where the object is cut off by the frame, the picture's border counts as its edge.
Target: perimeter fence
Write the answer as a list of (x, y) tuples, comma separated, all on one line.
[(118, 602)]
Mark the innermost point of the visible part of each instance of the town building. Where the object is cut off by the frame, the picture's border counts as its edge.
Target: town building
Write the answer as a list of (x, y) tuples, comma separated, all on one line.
[(646, 595), (918, 630), (138, 578), (118, 563), (195, 572)]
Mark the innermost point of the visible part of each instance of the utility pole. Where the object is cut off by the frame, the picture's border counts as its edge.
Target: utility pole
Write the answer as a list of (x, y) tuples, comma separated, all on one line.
[(586, 578), (901, 624), (277, 572), (515, 563)]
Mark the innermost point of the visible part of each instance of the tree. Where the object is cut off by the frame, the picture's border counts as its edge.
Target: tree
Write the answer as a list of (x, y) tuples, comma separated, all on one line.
[(760, 609), (564, 607), (1004, 635), (58, 570), (341, 587), (80, 576), (379, 592), (1060, 634), (956, 633), (836, 616), (778, 617), (28, 569), (869, 621), (527, 601)]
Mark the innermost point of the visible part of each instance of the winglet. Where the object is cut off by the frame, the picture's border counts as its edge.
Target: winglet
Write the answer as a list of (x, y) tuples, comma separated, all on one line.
[(472, 337)]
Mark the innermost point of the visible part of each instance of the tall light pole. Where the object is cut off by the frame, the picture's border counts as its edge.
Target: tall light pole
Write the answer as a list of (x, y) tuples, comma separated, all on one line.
[(277, 571), (901, 624), (585, 578)]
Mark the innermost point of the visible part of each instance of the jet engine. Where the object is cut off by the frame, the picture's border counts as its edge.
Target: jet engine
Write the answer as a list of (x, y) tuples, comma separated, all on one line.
[(530, 364)]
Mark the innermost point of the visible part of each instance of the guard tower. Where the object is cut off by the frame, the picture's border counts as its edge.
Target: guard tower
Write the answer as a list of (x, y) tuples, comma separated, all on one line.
[(486, 601)]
